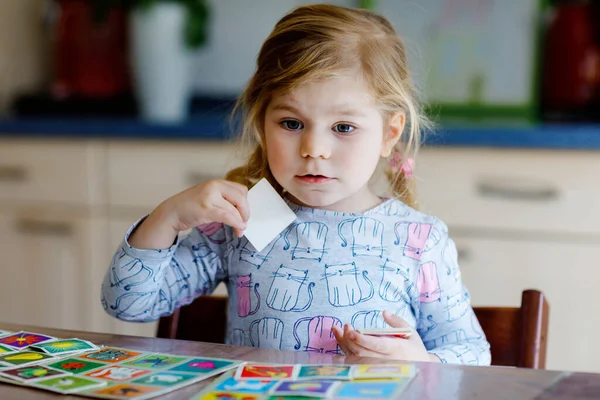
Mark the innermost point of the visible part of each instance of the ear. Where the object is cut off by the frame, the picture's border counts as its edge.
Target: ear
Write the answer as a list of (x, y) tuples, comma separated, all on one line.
[(393, 132)]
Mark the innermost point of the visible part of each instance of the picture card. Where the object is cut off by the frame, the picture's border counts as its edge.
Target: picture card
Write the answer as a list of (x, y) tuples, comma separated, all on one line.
[(111, 355), (75, 365), (67, 384), (269, 215), (219, 395), (30, 373), (156, 361), (374, 371), (64, 346), (380, 390), (325, 372), (124, 391), (6, 349), (320, 389), (117, 373), (267, 371), (21, 340), (395, 332), (165, 379), (24, 357), (205, 366), (256, 386)]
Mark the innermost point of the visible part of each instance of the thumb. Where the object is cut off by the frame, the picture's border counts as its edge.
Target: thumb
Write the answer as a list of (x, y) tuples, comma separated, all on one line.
[(394, 321)]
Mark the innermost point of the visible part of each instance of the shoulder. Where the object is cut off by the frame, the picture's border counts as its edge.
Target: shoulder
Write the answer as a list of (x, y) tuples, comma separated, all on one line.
[(397, 211)]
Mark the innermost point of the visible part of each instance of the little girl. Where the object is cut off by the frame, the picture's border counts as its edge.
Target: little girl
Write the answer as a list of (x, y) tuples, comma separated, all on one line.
[(330, 100)]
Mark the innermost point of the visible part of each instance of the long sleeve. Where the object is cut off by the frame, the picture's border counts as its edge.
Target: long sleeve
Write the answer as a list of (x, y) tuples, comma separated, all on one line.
[(143, 285), (447, 323)]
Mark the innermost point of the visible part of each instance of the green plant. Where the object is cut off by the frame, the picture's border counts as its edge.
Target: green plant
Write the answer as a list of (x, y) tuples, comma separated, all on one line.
[(196, 26)]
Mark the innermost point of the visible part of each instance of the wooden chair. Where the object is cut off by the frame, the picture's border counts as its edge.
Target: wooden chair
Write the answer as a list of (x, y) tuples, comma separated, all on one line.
[(517, 335)]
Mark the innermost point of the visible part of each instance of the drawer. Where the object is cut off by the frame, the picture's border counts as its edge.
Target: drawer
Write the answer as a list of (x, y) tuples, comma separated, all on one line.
[(144, 174), (497, 271), (37, 171), (511, 190)]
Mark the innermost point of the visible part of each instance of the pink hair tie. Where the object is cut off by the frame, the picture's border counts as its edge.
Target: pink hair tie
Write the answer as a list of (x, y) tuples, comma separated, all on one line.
[(404, 165)]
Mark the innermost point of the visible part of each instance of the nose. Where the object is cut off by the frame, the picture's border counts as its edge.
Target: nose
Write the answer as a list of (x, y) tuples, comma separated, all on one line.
[(314, 145)]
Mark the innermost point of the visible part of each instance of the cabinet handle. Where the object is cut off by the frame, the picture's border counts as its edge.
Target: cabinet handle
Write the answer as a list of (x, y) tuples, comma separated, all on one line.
[(13, 173), (48, 228), (511, 189), (195, 178)]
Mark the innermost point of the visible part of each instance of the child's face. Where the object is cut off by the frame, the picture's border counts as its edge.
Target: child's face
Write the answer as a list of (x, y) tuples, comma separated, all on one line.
[(324, 141)]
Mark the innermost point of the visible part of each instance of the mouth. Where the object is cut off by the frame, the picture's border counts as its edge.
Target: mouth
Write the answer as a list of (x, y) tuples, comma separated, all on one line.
[(311, 178)]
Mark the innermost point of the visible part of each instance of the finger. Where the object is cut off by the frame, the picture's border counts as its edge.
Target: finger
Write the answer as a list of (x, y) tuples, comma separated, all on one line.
[(243, 189), (228, 207), (381, 345), (339, 337), (222, 215), (395, 321), (360, 350), (238, 200)]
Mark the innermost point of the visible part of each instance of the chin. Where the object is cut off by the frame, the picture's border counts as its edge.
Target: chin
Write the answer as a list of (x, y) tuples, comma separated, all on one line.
[(316, 200)]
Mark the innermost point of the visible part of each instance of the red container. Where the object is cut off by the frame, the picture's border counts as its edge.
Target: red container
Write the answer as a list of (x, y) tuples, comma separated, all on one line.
[(90, 56), (571, 65)]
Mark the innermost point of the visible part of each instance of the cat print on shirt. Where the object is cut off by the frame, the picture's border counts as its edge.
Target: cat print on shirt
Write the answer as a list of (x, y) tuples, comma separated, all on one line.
[(307, 240), (268, 333), (286, 287), (319, 337), (395, 283), (250, 255), (366, 236), (416, 235), (428, 283), (343, 287), (214, 232), (244, 295), (458, 305), (238, 338)]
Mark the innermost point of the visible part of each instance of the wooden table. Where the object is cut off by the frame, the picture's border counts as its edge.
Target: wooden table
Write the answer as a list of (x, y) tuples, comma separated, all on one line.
[(434, 381)]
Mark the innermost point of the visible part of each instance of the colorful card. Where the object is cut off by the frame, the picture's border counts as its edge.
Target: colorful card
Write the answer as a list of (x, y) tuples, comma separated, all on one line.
[(383, 371), (6, 349), (22, 339), (256, 386), (165, 378), (23, 357), (111, 355), (30, 373), (321, 389), (5, 333), (266, 371), (402, 333), (156, 361), (124, 391), (325, 372), (229, 396), (63, 346), (205, 365), (380, 390), (76, 365), (117, 373), (68, 384)]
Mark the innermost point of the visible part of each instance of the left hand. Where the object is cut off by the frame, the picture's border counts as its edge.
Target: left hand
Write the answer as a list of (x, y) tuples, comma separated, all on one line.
[(407, 349)]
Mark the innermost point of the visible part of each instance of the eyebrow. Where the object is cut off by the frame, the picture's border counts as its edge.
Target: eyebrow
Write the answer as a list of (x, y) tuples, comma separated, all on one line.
[(343, 110)]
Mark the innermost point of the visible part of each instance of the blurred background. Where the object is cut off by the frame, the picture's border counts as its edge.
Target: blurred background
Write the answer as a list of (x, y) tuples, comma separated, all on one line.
[(108, 107)]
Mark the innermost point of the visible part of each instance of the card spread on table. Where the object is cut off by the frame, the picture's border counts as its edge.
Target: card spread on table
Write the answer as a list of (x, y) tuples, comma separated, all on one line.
[(269, 215), (60, 347), (397, 332)]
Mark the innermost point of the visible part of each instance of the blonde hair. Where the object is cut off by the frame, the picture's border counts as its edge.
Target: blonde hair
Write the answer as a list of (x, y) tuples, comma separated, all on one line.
[(320, 41)]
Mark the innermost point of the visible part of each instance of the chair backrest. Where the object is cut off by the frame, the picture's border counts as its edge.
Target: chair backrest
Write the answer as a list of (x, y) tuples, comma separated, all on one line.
[(204, 320), (518, 336)]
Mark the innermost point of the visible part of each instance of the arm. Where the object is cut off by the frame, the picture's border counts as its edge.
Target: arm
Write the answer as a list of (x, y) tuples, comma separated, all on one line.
[(143, 285), (447, 323)]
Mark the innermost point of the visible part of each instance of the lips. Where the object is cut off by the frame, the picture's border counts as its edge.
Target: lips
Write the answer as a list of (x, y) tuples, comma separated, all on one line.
[(313, 179)]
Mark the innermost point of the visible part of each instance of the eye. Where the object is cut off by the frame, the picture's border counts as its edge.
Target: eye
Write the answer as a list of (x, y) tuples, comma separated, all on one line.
[(291, 125), (343, 128)]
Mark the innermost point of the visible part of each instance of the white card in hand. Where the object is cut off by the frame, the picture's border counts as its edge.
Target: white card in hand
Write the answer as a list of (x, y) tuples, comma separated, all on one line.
[(269, 215)]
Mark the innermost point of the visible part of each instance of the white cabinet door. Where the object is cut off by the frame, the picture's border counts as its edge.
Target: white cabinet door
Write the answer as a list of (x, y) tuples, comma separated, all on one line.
[(46, 257), (496, 271)]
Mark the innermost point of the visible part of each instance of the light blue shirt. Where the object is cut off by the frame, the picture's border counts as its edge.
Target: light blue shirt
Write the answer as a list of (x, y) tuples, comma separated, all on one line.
[(326, 269)]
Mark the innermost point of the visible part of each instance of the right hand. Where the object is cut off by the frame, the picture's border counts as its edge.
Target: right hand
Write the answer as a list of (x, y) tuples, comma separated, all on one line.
[(212, 201)]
